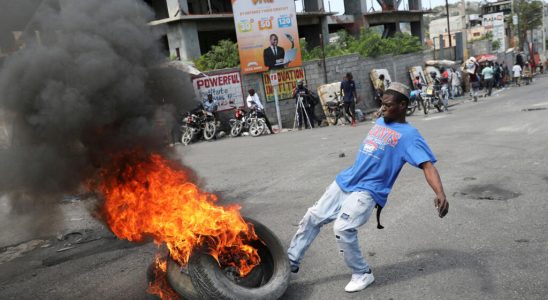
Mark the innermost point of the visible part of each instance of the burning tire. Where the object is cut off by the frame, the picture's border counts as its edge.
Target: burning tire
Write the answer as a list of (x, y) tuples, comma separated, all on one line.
[(269, 280)]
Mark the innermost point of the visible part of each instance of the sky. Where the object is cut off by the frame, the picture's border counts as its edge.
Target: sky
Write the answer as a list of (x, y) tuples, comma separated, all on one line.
[(338, 5)]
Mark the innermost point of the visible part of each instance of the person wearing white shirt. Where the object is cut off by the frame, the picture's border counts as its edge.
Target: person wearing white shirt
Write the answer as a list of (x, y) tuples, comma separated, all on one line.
[(517, 74), (253, 101)]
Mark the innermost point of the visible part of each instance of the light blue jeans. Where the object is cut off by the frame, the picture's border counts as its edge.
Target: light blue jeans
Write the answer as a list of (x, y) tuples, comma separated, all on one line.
[(349, 211)]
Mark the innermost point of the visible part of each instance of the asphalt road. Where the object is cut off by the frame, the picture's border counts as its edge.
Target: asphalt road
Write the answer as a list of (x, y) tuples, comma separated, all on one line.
[(492, 245)]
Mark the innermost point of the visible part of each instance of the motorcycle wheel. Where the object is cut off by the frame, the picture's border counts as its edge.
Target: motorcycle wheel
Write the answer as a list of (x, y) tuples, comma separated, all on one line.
[(236, 129), (257, 127), (410, 110), (187, 137), (209, 130), (439, 107), (332, 117)]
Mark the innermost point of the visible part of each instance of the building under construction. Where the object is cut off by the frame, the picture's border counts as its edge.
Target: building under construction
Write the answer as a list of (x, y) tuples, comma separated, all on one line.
[(191, 27)]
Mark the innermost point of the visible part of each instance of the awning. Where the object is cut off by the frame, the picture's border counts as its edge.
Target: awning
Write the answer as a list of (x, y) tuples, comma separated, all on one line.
[(443, 63), (486, 57)]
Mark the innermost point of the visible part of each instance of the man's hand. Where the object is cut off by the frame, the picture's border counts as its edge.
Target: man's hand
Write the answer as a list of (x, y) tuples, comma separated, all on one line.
[(442, 205)]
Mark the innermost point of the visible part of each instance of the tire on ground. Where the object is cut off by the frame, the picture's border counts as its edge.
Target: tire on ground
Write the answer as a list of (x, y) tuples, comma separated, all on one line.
[(180, 280), (210, 282)]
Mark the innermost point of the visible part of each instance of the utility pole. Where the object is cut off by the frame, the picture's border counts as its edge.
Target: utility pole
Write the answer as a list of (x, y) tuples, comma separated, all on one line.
[(464, 29), (512, 25), (448, 27), (543, 30)]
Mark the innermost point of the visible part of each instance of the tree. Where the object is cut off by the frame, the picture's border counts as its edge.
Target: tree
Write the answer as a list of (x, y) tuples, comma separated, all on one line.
[(368, 44), (223, 55), (529, 14), (495, 45)]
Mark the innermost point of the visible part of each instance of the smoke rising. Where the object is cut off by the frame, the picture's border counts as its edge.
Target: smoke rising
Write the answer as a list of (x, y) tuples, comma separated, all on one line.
[(80, 91)]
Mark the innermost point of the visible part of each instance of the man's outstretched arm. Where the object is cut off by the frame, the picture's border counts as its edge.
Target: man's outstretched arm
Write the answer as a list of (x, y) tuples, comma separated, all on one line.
[(434, 180)]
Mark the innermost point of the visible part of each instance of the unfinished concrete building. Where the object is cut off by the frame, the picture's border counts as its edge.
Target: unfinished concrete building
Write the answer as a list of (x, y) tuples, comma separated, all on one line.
[(191, 27)]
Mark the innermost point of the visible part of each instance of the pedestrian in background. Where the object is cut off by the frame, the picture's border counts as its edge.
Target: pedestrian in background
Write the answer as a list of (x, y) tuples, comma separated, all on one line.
[(516, 71), (488, 78), (348, 90), (303, 107), (380, 87), (455, 85), (471, 67)]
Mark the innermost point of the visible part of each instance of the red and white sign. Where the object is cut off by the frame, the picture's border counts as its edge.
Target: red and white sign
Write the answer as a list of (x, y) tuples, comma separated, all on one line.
[(226, 89), (274, 79)]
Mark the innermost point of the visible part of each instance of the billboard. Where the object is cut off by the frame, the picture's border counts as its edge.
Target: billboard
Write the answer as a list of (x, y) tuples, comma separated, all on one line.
[(226, 89), (287, 81), (268, 38), (495, 23)]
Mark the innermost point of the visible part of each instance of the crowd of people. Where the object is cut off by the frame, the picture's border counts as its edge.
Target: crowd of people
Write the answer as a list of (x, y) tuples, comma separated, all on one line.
[(484, 75)]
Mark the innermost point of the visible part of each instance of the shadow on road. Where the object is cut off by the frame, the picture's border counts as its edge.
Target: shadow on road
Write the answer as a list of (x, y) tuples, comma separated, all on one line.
[(421, 263)]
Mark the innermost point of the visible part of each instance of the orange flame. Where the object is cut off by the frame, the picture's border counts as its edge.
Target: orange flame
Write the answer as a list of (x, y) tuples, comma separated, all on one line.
[(159, 285), (148, 196)]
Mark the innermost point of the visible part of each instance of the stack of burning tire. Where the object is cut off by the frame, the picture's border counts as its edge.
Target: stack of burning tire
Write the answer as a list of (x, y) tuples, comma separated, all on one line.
[(202, 278)]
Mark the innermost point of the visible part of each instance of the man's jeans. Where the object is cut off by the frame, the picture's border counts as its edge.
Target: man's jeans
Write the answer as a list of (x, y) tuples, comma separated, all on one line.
[(349, 211)]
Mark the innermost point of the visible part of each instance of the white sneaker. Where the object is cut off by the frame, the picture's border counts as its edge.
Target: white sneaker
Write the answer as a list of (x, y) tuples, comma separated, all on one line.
[(359, 282)]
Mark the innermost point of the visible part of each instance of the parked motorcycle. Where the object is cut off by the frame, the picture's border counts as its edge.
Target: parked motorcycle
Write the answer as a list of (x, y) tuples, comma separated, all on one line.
[(415, 101), (249, 121), (203, 123), (431, 99), (335, 111)]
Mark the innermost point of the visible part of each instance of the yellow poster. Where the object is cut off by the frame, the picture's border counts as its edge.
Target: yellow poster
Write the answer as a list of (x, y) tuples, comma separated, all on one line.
[(287, 81), (267, 33)]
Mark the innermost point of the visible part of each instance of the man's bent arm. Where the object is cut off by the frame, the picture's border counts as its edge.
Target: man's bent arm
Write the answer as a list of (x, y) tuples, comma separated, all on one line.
[(434, 180)]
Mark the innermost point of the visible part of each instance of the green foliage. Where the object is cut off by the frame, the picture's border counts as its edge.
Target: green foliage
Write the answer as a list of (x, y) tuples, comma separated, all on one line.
[(221, 56), (172, 57), (529, 17), (495, 45), (368, 44)]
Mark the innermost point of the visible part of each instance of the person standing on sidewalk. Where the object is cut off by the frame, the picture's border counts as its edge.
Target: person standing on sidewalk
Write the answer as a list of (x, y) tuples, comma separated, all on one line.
[(488, 78), (356, 191), (348, 90), (516, 70), (455, 85)]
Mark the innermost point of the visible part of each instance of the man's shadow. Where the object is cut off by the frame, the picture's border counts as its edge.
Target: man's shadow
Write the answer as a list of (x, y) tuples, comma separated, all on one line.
[(421, 263)]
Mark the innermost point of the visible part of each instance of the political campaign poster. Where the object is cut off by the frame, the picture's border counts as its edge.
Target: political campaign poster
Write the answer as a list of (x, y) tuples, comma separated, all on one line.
[(226, 89), (268, 38), (287, 81)]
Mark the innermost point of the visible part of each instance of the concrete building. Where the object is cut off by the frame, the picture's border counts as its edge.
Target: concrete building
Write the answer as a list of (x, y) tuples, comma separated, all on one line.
[(191, 27), (505, 7)]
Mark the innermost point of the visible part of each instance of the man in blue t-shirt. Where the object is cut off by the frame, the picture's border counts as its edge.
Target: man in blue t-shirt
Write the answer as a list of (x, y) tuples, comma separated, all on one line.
[(348, 90), (350, 199)]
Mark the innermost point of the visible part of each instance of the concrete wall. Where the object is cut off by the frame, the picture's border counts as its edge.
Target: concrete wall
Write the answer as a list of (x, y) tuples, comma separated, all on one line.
[(337, 67), (479, 47)]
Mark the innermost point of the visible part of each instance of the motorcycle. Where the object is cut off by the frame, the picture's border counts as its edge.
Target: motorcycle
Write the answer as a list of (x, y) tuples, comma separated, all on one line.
[(335, 111), (415, 101), (194, 124), (431, 99), (249, 121)]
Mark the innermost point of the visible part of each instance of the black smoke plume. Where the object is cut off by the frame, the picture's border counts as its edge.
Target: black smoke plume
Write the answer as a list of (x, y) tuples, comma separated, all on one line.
[(79, 89)]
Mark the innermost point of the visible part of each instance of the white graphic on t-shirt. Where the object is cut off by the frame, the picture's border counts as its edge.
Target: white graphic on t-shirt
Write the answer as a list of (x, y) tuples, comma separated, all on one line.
[(377, 139)]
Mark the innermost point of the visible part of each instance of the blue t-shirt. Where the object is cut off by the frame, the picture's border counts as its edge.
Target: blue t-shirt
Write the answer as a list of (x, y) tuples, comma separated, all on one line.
[(382, 154), (348, 87)]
